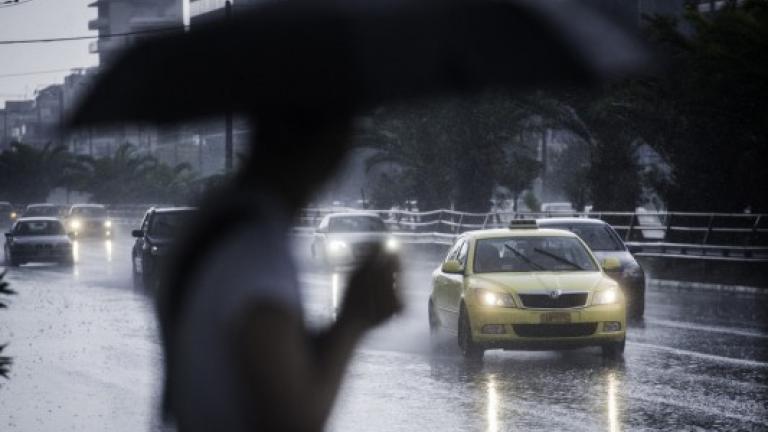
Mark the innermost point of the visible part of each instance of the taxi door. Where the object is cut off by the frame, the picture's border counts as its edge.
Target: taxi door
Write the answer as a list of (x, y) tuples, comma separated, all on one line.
[(450, 286)]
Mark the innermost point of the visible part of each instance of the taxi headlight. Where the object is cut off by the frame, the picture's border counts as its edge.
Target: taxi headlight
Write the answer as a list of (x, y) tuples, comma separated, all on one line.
[(609, 296), (491, 298), (108, 224), (75, 224), (337, 247)]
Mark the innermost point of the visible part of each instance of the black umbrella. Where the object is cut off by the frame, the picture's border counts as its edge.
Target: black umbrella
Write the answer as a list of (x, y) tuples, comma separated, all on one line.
[(341, 57)]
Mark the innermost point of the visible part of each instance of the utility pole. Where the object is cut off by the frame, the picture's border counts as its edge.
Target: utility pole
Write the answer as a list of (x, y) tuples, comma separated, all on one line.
[(228, 114)]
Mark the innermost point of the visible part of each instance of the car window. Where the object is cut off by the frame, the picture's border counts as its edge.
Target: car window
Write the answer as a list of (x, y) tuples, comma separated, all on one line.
[(89, 211), (527, 254), (597, 237), (166, 225), (351, 224), (41, 228)]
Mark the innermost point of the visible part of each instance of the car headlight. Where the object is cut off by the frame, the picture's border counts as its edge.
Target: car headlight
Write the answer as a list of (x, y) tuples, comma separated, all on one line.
[(13, 215), (75, 224), (154, 250), (604, 297), (491, 298), (108, 224), (337, 247), (391, 245)]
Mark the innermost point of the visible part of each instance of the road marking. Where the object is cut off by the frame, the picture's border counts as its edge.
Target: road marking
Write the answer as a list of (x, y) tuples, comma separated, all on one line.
[(712, 329), (716, 358)]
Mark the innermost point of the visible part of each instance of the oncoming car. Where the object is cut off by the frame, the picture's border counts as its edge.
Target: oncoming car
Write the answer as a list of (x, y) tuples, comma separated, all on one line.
[(604, 242), (7, 214), (42, 210), (89, 220), (341, 239), (38, 239), (526, 288)]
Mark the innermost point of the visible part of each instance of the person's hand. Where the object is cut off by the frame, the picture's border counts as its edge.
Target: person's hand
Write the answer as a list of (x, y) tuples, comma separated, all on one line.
[(371, 296)]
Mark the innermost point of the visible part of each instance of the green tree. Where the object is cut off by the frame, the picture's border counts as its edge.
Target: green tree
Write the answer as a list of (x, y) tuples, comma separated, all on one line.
[(706, 110), (28, 174)]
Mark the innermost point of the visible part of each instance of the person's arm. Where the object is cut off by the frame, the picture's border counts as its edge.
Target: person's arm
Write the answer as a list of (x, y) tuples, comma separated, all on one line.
[(292, 377)]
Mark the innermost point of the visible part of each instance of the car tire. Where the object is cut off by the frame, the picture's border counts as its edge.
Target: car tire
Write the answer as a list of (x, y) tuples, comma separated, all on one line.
[(469, 349), (434, 321), (637, 305), (10, 261), (614, 350), (137, 280)]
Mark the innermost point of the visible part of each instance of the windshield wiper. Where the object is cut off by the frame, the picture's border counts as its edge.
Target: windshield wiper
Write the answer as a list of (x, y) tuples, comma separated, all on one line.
[(523, 257), (558, 258)]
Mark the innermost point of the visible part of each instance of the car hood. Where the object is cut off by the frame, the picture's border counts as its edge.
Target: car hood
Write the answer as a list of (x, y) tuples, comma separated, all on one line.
[(539, 282), (51, 239)]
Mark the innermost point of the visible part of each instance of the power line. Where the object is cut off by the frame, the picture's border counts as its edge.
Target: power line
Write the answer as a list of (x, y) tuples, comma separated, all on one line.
[(86, 37), (11, 3)]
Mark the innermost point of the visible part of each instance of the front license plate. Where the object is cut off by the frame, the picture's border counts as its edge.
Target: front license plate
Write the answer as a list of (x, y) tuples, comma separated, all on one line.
[(556, 318)]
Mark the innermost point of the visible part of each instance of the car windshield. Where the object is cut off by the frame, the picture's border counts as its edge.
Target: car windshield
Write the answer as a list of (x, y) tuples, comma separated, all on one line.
[(526, 254), (597, 237), (42, 211), (166, 225), (351, 224), (39, 228), (96, 212)]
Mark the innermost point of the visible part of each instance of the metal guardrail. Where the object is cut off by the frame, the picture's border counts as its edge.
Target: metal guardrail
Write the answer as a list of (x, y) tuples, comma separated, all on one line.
[(710, 236)]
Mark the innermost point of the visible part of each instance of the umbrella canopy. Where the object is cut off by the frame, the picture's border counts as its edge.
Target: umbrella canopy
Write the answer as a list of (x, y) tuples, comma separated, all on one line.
[(340, 57)]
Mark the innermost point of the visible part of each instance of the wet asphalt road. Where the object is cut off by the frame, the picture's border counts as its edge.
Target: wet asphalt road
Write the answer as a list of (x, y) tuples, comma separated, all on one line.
[(87, 358)]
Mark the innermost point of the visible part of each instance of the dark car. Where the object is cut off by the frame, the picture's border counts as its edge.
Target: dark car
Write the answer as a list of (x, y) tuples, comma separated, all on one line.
[(42, 210), (38, 239), (159, 230), (606, 243), (89, 220), (7, 214)]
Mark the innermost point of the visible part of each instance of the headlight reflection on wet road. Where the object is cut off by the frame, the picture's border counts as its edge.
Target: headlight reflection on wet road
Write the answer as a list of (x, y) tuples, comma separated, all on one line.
[(493, 405), (108, 249), (613, 409), (76, 251), (334, 294)]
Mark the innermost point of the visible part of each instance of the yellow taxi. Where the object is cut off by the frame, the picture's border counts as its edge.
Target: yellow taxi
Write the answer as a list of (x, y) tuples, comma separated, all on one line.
[(527, 288)]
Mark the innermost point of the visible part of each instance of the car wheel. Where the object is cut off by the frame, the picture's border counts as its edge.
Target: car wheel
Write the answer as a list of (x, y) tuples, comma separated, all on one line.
[(9, 259), (637, 305), (434, 322), (613, 350), (469, 349), (137, 280)]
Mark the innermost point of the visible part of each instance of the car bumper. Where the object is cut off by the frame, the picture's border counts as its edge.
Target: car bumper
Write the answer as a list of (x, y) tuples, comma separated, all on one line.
[(524, 329), (42, 256)]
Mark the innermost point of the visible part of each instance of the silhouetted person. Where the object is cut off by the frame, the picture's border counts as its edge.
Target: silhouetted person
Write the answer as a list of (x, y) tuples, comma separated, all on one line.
[(237, 354)]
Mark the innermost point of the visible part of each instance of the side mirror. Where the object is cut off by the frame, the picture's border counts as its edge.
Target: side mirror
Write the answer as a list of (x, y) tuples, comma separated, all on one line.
[(137, 233), (452, 266), (610, 264), (9, 235)]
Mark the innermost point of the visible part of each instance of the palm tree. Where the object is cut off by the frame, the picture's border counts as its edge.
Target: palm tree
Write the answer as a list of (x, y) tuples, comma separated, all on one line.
[(28, 174)]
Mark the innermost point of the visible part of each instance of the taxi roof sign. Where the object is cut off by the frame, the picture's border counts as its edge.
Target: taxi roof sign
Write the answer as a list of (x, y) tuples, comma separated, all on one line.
[(523, 224)]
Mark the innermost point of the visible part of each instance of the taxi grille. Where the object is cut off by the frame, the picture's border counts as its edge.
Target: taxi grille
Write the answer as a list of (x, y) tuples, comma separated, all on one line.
[(555, 330), (545, 301)]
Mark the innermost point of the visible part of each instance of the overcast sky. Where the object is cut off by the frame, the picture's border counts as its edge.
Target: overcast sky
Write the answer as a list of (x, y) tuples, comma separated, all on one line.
[(42, 19)]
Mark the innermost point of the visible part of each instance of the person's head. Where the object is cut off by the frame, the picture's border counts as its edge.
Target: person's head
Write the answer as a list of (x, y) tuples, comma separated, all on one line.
[(294, 154)]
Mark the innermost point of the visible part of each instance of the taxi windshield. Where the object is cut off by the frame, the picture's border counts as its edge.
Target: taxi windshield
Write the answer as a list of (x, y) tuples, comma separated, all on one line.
[(532, 254)]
